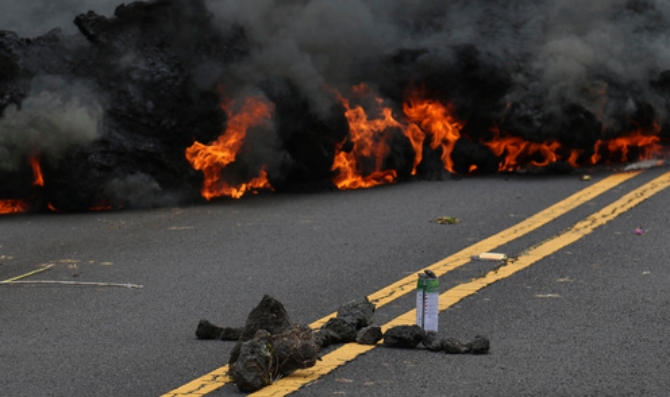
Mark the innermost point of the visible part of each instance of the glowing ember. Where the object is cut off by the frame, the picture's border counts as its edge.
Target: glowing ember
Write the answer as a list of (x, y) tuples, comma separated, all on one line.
[(236, 192), (212, 159), (516, 152), (102, 206), (645, 145), (37, 171), (436, 119), (13, 206), (362, 166)]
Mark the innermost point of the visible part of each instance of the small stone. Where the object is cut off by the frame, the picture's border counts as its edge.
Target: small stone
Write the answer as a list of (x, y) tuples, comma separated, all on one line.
[(340, 330), (369, 335), (480, 345), (404, 336), (455, 346), (358, 312), (432, 341)]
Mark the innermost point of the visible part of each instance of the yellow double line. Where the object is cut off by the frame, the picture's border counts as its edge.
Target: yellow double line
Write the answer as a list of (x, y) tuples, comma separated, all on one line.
[(217, 378)]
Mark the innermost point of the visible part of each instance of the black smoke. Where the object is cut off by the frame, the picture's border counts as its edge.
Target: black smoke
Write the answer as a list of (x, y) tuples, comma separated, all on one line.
[(109, 97)]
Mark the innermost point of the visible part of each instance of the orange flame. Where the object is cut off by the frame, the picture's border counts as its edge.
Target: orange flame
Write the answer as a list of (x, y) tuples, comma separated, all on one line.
[(436, 119), (370, 138), (516, 152), (370, 142), (213, 158), (101, 206), (13, 206), (646, 144), (37, 171)]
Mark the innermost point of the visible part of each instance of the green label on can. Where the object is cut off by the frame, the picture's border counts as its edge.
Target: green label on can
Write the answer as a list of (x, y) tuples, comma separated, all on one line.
[(421, 283), (432, 285)]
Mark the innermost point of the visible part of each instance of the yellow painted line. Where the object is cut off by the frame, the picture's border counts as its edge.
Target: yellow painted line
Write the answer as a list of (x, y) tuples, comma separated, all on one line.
[(407, 284), (204, 384), (10, 280), (349, 352)]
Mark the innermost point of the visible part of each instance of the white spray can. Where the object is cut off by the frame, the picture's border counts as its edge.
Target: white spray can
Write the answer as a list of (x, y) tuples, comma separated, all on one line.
[(427, 301)]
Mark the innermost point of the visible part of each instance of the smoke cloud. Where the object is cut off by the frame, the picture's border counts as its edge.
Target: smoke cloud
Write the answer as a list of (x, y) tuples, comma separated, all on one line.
[(55, 116), (600, 55), (34, 18), (561, 70)]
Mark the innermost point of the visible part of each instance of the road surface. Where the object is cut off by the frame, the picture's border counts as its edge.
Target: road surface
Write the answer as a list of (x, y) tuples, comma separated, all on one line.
[(581, 309)]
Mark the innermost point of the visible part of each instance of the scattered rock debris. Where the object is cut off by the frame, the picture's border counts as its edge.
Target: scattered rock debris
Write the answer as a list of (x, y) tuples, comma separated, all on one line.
[(270, 346), (446, 220)]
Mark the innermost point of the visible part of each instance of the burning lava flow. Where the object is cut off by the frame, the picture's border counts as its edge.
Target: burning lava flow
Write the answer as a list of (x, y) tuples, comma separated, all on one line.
[(371, 138), (516, 153), (435, 119), (360, 161), (512, 96), (212, 159), (37, 171), (370, 145), (14, 206)]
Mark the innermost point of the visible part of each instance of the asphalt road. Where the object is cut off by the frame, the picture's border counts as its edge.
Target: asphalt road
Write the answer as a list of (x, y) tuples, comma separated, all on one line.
[(591, 319)]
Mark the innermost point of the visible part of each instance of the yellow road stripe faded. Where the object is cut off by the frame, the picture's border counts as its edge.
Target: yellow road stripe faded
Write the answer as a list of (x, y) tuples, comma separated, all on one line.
[(217, 378), (10, 280), (349, 352)]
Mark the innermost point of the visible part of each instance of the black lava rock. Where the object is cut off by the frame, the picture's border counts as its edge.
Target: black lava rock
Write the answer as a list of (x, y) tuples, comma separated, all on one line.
[(295, 349), (455, 346), (369, 335), (480, 345), (339, 330), (358, 312), (270, 315), (207, 330), (432, 341), (404, 336), (323, 338), (252, 369)]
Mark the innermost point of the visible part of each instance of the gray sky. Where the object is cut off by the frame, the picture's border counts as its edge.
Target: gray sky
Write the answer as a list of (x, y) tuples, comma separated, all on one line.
[(36, 17)]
